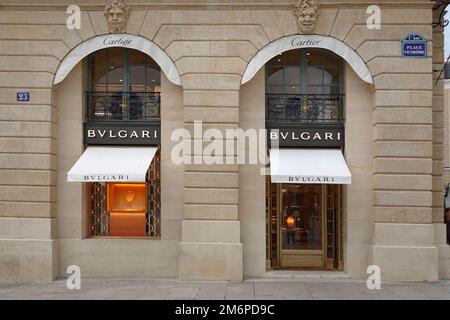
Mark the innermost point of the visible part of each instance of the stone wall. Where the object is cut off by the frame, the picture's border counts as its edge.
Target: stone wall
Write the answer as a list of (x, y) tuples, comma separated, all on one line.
[(211, 49), (447, 132), (358, 197), (252, 184)]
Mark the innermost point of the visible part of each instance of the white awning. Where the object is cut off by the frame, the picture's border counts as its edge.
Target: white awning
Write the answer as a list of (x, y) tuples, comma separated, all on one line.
[(112, 164), (310, 166)]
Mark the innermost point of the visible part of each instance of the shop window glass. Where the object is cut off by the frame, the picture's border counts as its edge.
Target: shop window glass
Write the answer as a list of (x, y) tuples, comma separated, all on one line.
[(331, 76), (276, 61), (99, 74), (301, 223), (275, 80), (127, 205), (124, 85), (115, 57), (292, 77), (137, 58), (115, 78), (127, 209), (315, 90), (315, 76), (137, 78), (99, 58), (291, 58), (304, 85), (153, 79)]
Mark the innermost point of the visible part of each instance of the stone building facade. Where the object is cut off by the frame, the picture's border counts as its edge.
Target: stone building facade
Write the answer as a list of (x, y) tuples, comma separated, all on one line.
[(213, 217)]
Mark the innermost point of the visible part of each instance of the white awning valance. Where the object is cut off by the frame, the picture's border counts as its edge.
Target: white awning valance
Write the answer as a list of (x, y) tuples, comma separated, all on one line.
[(310, 166), (112, 164)]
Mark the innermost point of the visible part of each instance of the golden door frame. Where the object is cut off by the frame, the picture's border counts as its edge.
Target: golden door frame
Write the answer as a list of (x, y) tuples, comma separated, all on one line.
[(330, 257)]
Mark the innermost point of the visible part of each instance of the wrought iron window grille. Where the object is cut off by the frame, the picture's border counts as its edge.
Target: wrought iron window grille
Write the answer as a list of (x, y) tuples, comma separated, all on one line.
[(123, 106), (304, 109)]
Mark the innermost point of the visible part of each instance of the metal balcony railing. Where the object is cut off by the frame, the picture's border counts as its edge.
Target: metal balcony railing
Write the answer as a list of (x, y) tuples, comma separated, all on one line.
[(292, 109), (123, 106)]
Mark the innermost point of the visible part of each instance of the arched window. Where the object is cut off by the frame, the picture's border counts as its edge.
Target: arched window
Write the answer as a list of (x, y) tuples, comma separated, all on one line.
[(124, 84), (304, 86), (123, 91)]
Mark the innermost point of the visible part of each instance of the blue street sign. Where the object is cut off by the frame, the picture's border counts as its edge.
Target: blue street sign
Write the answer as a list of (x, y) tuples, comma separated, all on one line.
[(23, 96), (414, 46)]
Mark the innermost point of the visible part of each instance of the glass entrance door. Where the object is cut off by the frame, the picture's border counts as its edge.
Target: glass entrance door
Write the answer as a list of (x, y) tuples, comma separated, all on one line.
[(301, 225), (304, 226)]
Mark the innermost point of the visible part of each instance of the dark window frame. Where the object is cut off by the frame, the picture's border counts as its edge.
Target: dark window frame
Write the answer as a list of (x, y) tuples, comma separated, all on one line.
[(126, 104), (283, 107)]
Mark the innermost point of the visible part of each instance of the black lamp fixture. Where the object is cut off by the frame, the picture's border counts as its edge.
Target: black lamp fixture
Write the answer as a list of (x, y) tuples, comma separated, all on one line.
[(442, 22)]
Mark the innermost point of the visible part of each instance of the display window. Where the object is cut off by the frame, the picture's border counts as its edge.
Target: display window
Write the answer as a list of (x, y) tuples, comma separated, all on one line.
[(123, 99)]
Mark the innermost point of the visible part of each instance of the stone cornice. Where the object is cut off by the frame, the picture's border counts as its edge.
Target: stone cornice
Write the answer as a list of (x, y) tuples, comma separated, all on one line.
[(39, 5)]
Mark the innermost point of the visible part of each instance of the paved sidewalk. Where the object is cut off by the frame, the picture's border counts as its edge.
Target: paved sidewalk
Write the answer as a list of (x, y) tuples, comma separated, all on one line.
[(261, 289)]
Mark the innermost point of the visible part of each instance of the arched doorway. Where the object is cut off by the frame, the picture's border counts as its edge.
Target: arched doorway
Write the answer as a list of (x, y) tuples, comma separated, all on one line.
[(123, 98), (305, 102), (355, 199)]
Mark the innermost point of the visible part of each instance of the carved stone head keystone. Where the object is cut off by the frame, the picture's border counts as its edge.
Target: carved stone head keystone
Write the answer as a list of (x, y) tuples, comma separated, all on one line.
[(306, 12), (117, 12)]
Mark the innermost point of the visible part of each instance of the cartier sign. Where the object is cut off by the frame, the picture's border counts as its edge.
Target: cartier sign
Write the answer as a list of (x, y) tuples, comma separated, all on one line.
[(302, 42), (319, 136), (114, 134), (113, 41)]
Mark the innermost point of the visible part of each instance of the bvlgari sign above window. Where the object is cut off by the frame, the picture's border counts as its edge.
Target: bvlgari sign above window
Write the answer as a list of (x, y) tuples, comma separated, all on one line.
[(310, 136), (117, 134)]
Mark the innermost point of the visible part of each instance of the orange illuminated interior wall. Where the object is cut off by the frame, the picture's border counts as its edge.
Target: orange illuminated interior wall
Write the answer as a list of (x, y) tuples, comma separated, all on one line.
[(127, 207)]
